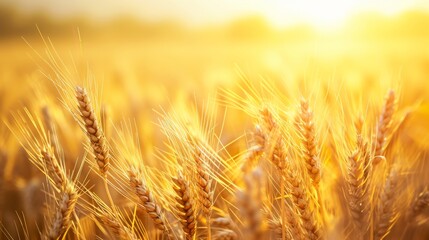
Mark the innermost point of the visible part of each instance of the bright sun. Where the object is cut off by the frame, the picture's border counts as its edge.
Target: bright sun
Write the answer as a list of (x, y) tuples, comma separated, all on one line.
[(330, 14), (324, 14)]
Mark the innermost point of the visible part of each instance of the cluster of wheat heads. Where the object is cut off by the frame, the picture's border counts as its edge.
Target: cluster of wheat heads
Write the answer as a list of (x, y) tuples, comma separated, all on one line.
[(302, 173), (277, 188)]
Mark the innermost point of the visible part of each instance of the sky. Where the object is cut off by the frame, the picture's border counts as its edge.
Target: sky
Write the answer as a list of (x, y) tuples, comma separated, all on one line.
[(322, 13)]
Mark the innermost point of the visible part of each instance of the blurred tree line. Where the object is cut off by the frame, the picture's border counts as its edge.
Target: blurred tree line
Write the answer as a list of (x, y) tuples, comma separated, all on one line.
[(370, 26)]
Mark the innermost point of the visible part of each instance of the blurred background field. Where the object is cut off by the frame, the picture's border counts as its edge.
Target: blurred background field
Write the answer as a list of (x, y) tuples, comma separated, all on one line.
[(362, 49), (151, 59), (153, 63)]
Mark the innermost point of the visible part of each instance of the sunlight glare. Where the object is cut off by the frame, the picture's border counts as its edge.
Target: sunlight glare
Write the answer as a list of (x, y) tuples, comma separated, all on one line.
[(325, 14)]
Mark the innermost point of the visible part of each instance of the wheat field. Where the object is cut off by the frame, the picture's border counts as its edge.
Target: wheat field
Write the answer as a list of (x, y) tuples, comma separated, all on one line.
[(202, 138)]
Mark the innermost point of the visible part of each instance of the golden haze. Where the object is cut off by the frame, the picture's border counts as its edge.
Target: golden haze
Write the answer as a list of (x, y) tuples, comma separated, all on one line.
[(127, 129)]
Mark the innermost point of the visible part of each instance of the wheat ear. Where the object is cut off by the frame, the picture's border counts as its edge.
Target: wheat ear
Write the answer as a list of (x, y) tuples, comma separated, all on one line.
[(255, 150), (293, 226), (224, 222), (225, 235), (357, 181), (387, 211), (93, 130), (49, 125), (275, 225), (117, 228), (185, 206), (54, 171), (204, 183), (65, 208), (420, 203), (279, 155), (357, 191), (363, 149), (305, 124), (250, 202), (383, 127), (301, 200), (147, 200)]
